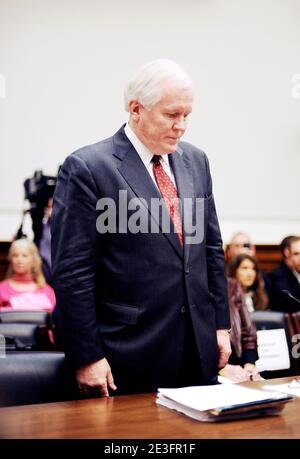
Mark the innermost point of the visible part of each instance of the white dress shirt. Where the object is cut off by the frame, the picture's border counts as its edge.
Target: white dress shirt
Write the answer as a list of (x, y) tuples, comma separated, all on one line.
[(297, 275), (146, 155)]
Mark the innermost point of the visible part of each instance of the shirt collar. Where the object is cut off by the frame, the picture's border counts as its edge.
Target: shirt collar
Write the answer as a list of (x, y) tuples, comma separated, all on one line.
[(144, 153), (297, 275)]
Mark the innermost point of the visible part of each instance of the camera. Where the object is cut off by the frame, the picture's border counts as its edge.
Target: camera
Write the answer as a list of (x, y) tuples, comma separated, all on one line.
[(38, 190)]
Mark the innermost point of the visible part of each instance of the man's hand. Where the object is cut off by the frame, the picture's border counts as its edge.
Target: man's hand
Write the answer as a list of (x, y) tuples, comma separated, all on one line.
[(238, 374), (253, 372), (235, 373), (224, 346), (95, 378)]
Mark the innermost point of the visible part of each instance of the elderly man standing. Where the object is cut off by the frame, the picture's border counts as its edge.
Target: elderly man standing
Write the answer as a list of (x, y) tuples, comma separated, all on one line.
[(141, 296)]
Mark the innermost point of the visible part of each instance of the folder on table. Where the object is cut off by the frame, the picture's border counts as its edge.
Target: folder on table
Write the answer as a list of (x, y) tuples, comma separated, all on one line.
[(222, 402)]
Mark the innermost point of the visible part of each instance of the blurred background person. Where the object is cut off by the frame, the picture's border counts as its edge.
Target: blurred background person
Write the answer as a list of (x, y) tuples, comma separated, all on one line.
[(241, 364), (286, 277), (244, 268), (45, 243), (239, 243), (35, 224), (25, 287)]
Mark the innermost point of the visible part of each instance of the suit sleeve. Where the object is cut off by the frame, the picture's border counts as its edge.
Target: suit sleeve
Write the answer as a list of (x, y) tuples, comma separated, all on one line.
[(217, 282), (74, 254)]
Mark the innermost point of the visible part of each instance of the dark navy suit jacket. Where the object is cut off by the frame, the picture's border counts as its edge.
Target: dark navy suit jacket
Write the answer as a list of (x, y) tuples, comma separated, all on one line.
[(282, 278), (125, 296)]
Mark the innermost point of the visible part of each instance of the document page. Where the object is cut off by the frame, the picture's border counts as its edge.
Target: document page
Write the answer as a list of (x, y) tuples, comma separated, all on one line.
[(221, 395), (289, 388), (273, 351)]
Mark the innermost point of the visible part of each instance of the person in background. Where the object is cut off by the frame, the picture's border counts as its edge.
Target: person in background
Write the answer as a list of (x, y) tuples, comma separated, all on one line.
[(25, 287), (241, 364), (45, 243), (244, 268), (286, 277), (239, 243)]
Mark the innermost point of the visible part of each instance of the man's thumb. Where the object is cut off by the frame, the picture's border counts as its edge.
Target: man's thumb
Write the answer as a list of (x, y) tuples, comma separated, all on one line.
[(110, 381)]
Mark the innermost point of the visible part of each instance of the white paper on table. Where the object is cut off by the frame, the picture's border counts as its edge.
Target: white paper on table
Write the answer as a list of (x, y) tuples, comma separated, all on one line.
[(221, 395), (284, 388), (273, 352)]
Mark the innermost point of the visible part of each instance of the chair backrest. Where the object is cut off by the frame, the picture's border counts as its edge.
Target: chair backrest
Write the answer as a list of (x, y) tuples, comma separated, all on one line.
[(25, 336), (35, 377), (271, 320), (32, 317)]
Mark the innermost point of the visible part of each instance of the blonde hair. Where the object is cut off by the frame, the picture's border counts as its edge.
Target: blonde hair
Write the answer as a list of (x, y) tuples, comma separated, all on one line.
[(37, 272)]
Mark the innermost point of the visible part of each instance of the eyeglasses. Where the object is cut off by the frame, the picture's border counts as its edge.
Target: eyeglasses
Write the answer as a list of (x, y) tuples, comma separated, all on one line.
[(294, 384), (246, 245)]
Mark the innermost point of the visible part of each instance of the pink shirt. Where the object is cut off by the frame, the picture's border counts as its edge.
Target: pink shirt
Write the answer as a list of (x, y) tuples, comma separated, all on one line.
[(40, 299)]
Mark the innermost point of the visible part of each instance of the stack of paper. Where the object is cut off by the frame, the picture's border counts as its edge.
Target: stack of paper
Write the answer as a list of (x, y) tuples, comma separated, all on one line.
[(222, 402)]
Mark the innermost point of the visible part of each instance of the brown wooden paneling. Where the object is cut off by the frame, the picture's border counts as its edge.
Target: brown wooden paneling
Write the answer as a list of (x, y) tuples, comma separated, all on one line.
[(4, 246), (268, 256)]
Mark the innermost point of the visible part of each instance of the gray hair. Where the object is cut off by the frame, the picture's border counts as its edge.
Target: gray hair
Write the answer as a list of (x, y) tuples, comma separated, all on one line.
[(146, 84)]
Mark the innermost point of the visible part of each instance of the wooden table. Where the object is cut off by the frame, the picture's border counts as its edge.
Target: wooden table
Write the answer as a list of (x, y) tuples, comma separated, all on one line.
[(138, 417)]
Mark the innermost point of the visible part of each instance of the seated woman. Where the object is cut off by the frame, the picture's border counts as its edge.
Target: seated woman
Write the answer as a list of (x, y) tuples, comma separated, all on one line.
[(25, 287), (244, 268), (241, 365)]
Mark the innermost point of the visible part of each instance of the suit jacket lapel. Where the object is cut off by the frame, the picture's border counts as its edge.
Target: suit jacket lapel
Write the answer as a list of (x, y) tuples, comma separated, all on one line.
[(139, 180)]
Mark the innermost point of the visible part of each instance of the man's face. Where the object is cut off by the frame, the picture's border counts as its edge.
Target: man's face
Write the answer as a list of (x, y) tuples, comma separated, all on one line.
[(240, 244), (294, 256), (161, 127)]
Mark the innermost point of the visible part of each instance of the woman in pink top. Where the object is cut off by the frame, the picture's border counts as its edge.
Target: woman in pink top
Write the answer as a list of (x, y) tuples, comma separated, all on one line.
[(25, 287)]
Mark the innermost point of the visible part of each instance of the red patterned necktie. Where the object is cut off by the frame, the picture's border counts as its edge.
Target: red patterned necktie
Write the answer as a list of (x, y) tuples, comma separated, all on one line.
[(169, 194)]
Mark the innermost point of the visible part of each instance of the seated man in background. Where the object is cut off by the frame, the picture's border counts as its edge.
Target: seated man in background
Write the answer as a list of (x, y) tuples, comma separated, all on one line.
[(239, 243), (286, 277)]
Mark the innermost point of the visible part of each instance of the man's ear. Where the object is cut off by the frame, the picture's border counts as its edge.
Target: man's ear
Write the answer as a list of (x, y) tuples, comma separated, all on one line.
[(286, 252), (134, 109)]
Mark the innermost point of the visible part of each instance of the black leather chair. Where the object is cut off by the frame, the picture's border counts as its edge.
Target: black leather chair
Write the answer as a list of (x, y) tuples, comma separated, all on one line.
[(35, 377), (270, 320), (32, 317), (41, 318), (23, 336)]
